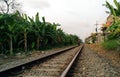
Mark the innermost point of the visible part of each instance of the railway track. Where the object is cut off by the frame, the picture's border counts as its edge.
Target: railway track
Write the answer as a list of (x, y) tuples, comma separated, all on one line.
[(55, 65)]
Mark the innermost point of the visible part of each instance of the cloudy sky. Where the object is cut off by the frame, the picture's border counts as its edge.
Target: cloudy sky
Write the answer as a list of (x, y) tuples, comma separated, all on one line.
[(75, 16)]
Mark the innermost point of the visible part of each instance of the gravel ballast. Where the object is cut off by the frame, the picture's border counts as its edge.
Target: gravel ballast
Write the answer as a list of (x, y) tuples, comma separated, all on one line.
[(90, 64)]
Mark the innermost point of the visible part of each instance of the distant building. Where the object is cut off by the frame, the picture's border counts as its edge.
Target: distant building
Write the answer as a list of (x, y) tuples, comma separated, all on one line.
[(99, 37), (94, 38), (89, 40)]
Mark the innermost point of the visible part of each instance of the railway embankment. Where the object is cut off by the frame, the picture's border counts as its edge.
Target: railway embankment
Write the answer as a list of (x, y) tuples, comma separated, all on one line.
[(96, 62)]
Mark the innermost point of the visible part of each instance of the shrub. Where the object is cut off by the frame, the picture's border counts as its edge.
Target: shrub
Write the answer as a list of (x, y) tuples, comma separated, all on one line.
[(113, 44)]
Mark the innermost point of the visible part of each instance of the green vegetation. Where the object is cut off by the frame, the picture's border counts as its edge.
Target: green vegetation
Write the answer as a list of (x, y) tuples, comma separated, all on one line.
[(115, 11), (113, 44), (114, 31), (21, 33), (113, 37)]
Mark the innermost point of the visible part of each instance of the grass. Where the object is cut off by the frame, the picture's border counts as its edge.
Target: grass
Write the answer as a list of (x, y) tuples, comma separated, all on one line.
[(113, 44)]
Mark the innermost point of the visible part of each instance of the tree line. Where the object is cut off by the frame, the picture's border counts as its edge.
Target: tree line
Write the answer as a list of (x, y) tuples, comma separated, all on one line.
[(21, 33)]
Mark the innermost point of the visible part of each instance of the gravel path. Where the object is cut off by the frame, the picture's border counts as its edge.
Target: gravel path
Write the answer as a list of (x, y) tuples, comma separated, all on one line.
[(90, 64)]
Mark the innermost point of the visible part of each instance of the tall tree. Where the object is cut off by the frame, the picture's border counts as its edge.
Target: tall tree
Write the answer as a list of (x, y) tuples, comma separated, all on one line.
[(36, 29), (24, 26), (8, 6), (10, 27)]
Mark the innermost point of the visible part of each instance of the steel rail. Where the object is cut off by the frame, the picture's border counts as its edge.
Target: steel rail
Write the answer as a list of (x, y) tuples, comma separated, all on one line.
[(5, 70), (65, 72)]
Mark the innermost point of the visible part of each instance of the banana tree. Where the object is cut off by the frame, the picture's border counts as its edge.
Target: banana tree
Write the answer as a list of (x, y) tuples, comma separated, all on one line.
[(36, 26), (114, 31), (10, 27), (24, 28), (60, 36), (115, 11), (43, 31), (51, 33)]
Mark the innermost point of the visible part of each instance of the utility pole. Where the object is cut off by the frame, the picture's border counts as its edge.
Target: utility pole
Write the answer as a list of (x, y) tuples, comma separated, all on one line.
[(96, 29), (97, 35)]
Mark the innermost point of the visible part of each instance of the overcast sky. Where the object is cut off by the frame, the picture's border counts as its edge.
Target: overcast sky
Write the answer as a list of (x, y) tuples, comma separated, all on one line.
[(75, 16)]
